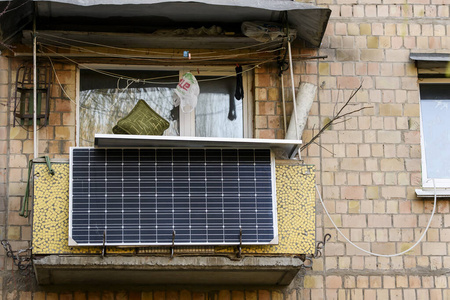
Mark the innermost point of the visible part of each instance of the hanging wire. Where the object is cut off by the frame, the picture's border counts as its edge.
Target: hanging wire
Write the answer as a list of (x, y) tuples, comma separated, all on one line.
[(147, 51), (129, 57), (59, 82), (378, 254), (14, 8), (147, 81)]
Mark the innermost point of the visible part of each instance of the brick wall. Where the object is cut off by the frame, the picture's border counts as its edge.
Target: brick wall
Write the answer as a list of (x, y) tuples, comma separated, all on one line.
[(368, 166), (16, 149), (4, 150), (182, 294)]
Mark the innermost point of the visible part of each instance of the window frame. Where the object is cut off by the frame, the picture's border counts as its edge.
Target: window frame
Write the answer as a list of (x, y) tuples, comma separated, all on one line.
[(187, 120), (427, 183)]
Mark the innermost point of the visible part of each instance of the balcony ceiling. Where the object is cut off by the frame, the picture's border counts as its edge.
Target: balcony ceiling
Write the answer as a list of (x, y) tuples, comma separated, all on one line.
[(147, 15)]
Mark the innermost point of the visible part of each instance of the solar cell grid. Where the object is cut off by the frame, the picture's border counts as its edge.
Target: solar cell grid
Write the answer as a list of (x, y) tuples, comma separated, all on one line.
[(140, 196)]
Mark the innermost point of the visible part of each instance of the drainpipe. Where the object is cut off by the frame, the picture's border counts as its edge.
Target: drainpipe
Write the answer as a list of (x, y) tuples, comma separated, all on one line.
[(306, 94)]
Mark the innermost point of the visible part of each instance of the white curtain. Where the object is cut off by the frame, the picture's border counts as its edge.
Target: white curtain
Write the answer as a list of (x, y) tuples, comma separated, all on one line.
[(211, 116)]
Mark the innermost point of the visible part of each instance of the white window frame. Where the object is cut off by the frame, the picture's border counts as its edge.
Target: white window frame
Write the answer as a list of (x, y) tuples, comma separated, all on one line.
[(186, 120), (427, 183)]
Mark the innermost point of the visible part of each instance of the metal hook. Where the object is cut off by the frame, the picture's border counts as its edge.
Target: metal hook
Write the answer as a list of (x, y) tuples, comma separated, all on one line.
[(326, 238), (173, 244), (239, 254), (318, 253), (104, 244), (320, 245)]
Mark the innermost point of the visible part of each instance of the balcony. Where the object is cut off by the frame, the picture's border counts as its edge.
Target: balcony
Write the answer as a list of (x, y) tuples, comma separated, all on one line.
[(57, 263)]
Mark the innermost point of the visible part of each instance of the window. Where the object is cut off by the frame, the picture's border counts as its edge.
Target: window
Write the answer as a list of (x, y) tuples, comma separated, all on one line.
[(109, 94), (435, 133)]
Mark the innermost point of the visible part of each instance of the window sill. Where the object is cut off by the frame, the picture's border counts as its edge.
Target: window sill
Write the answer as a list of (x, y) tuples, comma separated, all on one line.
[(429, 193)]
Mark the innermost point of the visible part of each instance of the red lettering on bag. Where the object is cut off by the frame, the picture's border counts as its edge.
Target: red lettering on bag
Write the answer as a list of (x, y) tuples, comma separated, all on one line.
[(184, 85)]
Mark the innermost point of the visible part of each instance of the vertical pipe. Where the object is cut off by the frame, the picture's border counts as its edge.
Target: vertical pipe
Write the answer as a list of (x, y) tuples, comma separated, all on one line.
[(293, 88), (77, 100), (35, 137), (284, 104)]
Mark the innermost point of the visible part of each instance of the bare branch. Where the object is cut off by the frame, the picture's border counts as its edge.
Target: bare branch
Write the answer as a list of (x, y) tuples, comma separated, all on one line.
[(342, 121), (6, 8), (331, 152), (335, 118)]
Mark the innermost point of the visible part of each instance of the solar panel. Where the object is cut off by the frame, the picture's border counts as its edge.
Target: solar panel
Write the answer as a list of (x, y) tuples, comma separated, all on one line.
[(150, 196)]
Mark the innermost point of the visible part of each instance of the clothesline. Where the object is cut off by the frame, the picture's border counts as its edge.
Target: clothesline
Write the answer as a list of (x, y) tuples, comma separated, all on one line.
[(149, 51), (149, 80), (163, 59)]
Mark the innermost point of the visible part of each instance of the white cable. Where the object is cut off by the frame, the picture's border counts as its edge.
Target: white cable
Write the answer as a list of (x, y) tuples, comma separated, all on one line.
[(377, 254), (59, 82)]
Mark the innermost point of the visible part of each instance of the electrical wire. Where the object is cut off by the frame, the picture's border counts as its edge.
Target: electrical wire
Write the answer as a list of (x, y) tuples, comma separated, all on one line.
[(146, 51), (162, 59), (198, 56), (59, 82), (146, 81), (377, 254), (14, 8)]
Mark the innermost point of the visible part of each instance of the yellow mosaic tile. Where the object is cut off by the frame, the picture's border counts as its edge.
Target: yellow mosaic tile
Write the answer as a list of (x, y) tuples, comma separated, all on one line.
[(296, 213), (295, 198), (51, 214)]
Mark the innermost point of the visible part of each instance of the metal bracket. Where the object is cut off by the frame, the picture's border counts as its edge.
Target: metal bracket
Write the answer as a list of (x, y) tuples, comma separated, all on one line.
[(104, 244), (173, 244), (317, 252), (239, 247), (321, 245), (21, 258), (309, 265)]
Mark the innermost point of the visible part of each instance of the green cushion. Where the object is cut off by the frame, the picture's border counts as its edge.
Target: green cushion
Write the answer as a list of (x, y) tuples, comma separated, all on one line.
[(142, 120), (116, 130)]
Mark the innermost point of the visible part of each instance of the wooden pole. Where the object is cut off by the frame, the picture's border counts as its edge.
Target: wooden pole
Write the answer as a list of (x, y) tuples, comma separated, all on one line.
[(35, 137)]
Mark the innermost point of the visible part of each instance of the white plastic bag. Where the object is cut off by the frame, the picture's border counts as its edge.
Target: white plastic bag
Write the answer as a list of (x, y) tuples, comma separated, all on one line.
[(186, 93)]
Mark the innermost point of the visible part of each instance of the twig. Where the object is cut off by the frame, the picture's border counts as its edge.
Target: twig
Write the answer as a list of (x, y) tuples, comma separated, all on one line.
[(5, 10), (331, 152), (335, 118)]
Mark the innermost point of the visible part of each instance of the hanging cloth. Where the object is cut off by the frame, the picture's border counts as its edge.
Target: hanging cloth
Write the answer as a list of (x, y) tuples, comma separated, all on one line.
[(239, 94)]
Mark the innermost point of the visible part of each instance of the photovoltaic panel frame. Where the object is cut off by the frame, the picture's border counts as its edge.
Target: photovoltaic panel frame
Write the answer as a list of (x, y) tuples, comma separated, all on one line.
[(198, 196)]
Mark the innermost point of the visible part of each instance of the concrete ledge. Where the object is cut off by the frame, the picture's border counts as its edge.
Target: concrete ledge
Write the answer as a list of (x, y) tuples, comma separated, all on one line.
[(440, 193), (189, 270)]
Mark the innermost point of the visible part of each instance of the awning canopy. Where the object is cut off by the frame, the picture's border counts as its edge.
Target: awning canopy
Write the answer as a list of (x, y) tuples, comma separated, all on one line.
[(433, 65), (143, 15)]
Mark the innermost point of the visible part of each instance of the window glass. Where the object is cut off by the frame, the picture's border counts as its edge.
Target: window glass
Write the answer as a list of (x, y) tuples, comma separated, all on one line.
[(218, 113), (435, 113), (105, 99), (106, 96)]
